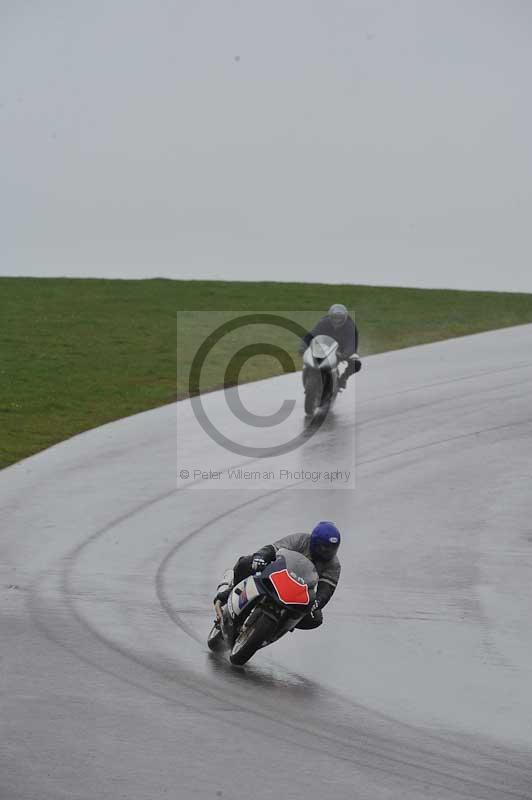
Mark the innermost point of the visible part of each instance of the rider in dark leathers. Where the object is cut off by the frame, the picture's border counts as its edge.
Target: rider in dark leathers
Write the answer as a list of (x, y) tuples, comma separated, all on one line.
[(340, 326), (320, 547)]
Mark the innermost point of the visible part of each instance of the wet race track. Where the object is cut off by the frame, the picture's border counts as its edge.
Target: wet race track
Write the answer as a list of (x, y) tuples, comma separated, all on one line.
[(418, 685)]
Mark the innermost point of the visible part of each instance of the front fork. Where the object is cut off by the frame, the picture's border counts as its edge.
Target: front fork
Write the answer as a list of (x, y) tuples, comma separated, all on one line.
[(325, 383), (224, 623)]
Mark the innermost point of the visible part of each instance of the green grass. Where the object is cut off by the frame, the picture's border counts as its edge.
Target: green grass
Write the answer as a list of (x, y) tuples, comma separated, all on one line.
[(78, 353)]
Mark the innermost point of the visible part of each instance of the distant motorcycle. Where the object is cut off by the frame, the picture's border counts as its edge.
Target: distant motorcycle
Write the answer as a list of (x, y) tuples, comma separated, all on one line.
[(320, 375), (265, 606)]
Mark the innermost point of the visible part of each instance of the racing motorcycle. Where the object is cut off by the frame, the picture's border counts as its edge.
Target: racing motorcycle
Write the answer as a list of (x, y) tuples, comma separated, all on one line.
[(320, 375), (265, 606)]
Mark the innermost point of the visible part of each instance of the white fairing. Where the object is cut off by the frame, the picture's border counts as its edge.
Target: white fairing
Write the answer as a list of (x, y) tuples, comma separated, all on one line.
[(242, 595), (321, 353)]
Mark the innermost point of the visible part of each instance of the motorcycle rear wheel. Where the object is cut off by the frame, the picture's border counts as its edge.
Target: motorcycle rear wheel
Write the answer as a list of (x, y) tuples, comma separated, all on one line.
[(251, 638)]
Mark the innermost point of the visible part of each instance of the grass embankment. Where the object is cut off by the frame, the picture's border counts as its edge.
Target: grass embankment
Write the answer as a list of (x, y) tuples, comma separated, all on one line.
[(78, 353)]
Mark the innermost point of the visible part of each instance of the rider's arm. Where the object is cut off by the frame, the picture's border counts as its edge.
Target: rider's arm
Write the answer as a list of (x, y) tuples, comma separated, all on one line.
[(327, 583), (296, 541), (349, 339), (324, 592), (321, 326), (267, 553)]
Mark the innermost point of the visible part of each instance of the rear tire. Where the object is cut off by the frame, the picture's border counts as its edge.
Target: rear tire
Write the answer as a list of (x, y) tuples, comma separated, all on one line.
[(250, 639)]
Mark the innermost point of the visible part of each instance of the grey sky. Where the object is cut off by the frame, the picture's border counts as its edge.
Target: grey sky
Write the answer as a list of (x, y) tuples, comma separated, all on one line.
[(372, 142)]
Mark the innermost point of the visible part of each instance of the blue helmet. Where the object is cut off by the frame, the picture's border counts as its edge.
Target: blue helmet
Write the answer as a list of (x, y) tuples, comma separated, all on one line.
[(324, 541)]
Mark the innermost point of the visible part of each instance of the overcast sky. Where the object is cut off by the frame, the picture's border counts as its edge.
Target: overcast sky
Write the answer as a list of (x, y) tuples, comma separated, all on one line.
[(366, 142)]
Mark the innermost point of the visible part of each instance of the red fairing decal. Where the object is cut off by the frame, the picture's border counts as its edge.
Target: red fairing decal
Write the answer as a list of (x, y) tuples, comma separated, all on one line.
[(288, 589)]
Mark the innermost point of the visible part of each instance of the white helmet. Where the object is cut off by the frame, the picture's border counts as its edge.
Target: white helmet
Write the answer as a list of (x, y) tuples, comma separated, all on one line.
[(338, 315)]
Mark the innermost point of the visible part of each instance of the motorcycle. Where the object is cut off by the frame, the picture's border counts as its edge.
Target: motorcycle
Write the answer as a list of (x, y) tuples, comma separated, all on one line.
[(265, 606), (320, 375)]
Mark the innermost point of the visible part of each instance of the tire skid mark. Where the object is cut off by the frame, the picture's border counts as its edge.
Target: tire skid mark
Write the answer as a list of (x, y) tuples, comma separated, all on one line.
[(359, 744), (176, 617), (398, 756)]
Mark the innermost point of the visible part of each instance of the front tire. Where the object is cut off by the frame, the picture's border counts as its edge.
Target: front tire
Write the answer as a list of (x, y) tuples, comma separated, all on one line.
[(251, 638), (215, 638), (313, 393)]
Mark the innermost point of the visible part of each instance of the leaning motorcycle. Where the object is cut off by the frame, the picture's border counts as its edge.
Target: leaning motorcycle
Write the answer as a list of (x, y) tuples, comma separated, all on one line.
[(265, 606), (320, 375)]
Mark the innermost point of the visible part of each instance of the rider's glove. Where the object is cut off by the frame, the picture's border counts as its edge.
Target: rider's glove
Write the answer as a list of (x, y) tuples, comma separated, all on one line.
[(258, 563), (316, 613)]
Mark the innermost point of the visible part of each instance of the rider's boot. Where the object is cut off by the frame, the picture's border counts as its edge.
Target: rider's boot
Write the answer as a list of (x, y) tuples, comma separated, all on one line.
[(224, 587)]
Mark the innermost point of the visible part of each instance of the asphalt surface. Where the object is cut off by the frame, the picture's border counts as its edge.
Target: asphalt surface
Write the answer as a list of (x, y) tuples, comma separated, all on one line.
[(418, 685)]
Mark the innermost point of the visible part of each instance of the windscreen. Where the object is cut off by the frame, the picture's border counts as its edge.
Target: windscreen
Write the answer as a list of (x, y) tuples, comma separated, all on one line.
[(299, 566), (293, 578), (321, 346)]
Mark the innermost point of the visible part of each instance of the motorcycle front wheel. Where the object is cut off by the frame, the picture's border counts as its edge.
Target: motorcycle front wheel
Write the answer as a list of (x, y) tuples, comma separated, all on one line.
[(215, 638), (251, 638), (313, 393)]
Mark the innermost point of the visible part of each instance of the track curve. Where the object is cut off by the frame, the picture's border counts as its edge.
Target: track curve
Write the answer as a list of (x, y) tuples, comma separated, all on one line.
[(418, 684)]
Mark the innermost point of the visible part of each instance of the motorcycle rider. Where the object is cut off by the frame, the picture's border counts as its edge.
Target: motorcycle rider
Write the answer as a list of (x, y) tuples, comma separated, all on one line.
[(320, 547), (340, 326)]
